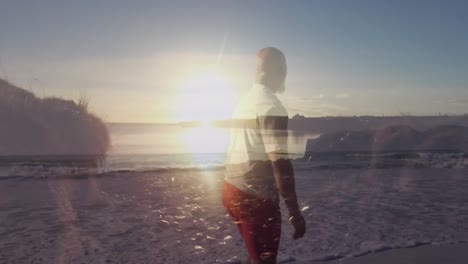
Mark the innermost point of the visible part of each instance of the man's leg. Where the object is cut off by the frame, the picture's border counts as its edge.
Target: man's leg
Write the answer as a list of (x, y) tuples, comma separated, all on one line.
[(269, 260), (231, 201), (261, 229), (258, 221), (257, 249)]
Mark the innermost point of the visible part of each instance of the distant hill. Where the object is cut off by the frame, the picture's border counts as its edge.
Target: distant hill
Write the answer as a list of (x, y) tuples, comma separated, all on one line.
[(323, 125), (362, 123), (399, 138), (51, 126)]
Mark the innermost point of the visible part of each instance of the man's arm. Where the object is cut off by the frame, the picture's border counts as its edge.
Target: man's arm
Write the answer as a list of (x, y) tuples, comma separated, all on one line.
[(276, 127), (284, 177)]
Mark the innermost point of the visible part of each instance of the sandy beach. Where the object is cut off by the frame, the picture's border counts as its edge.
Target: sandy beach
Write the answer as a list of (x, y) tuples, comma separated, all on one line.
[(453, 254), (177, 217)]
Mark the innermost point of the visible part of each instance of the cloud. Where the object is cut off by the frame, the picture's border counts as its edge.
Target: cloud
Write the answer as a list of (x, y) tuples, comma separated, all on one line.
[(342, 96), (311, 106), (463, 102), (130, 88)]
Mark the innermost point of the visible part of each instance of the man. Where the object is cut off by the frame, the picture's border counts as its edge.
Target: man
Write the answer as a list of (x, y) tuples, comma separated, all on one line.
[(258, 170)]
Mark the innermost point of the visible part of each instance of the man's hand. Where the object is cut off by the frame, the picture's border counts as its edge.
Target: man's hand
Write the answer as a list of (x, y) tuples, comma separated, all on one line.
[(299, 225)]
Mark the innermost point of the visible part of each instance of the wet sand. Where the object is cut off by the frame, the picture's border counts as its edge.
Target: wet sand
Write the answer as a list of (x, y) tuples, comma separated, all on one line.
[(177, 216), (430, 254)]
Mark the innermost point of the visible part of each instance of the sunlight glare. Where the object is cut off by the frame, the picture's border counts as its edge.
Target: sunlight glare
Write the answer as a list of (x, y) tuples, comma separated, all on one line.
[(205, 97), (205, 139)]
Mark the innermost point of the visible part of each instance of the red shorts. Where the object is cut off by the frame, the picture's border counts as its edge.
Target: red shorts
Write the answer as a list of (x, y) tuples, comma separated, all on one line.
[(258, 221)]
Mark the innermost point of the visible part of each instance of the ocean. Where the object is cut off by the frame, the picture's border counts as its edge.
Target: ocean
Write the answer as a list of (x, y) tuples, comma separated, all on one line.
[(146, 147), (156, 146)]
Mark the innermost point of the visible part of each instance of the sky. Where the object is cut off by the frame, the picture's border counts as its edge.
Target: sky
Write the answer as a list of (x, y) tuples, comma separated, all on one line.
[(169, 61)]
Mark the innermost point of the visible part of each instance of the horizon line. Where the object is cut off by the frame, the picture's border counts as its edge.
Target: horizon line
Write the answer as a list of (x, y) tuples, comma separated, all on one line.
[(301, 116)]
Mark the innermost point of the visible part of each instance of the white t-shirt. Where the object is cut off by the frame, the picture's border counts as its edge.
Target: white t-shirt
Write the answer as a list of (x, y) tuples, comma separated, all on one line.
[(259, 127)]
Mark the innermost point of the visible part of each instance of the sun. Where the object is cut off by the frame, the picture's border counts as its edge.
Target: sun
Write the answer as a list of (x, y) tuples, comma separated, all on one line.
[(204, 97)]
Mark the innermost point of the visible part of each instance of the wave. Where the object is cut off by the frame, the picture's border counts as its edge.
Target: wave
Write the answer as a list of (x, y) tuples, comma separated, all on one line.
[(47, 172), (39, 167)]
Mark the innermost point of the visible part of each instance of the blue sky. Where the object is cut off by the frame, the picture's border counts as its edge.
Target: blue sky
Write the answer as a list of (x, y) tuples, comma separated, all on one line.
[(133, 58)]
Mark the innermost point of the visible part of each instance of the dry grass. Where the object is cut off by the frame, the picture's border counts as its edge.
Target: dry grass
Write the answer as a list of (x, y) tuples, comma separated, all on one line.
[(83, 102), (51, 126)]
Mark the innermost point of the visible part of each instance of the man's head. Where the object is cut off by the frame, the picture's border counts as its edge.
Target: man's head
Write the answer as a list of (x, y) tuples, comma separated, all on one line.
[(271, 68)]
